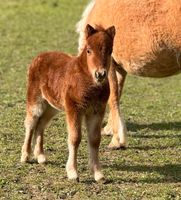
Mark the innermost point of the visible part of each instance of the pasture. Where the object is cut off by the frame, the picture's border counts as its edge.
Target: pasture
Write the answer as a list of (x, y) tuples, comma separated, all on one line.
[(151, 166)]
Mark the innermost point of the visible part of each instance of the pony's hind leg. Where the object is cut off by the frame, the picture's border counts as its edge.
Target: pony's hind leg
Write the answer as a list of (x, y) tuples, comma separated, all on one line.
[(47, 115), (116, 124), (31, 121)]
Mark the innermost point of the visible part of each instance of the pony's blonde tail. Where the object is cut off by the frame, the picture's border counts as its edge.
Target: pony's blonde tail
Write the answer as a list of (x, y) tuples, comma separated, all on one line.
[(80, 26)]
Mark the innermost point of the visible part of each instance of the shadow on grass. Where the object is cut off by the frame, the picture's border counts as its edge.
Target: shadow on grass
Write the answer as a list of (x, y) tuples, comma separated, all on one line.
[(147, 148), (175, 126), (56, 164), (171, 173)]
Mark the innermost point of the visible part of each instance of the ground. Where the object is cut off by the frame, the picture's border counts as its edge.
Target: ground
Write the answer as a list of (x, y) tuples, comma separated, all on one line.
[(151, 166)]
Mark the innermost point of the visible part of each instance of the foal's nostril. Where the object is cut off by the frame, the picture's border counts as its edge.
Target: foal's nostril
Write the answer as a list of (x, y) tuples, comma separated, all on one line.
[(97, 75), (100, 75), (103, 74)]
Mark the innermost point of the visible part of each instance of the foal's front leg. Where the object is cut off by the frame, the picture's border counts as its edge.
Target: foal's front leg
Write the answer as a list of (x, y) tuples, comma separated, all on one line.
[(74, 138), (93, 123)]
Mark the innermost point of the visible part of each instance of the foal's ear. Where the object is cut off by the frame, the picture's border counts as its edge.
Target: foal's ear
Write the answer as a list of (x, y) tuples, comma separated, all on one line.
[(89, 30), (111, 31)]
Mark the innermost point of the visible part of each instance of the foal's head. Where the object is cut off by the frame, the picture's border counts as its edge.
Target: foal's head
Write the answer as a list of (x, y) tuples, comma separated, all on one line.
[(99, 44)]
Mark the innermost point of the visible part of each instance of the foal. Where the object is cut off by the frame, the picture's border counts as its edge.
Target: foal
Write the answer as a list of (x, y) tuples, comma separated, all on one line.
[(79, 85)]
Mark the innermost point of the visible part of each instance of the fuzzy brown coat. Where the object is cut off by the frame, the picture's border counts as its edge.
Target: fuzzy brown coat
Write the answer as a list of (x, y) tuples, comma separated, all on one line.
[(79, 85)]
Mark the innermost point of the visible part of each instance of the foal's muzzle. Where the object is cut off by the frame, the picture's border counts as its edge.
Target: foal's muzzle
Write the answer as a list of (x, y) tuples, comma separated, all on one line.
[(100, 75)]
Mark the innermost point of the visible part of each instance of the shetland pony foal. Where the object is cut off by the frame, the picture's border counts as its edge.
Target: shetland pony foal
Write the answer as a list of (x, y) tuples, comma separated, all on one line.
[(80, 86)]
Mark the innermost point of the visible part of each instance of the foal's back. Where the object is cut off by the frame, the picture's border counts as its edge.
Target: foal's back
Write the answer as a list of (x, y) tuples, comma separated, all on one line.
[(47, 76), (47, 65)]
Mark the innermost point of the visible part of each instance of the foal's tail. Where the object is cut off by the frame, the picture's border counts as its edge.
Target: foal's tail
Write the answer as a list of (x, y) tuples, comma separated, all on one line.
[(33, 83), (80, 26)]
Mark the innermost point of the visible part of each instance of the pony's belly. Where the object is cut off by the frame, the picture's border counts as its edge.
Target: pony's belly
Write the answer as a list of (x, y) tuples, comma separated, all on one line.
[(162, 64), (156, 71), (152, 69)]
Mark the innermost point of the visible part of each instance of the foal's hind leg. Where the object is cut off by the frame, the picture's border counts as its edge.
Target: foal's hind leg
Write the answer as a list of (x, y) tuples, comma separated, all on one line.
[(32, 116), (47, 115), (116, 124)]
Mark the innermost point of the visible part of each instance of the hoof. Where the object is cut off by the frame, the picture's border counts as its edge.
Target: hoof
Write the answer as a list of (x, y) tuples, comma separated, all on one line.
[(102, 181), (41, 159), (24, 158), (99, 177), (72, 175), (74, 180), (117, 146)]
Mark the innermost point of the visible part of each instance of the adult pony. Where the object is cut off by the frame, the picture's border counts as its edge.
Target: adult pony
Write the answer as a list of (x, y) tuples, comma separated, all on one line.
[(147, 43)]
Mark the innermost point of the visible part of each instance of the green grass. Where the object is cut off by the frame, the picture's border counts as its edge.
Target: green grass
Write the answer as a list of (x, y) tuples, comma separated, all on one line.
[(149, 169)]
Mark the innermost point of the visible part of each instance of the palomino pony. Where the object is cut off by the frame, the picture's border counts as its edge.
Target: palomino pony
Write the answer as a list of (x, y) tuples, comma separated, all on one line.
[(147, 43), (80, 86)]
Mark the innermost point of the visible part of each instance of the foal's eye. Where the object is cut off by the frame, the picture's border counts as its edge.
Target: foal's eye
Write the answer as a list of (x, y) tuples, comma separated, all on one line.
[(88, 51)]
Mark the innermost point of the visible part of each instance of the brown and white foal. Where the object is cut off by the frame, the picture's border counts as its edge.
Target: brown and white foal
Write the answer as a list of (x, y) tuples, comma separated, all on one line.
[(79, 85)]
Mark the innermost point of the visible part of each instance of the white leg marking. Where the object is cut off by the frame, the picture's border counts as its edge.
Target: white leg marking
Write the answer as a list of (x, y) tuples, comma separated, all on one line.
[(122, 131), (71, 166)]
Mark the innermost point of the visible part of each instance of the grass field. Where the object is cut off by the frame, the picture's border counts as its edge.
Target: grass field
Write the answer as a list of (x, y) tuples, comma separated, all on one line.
[(149, 169)]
